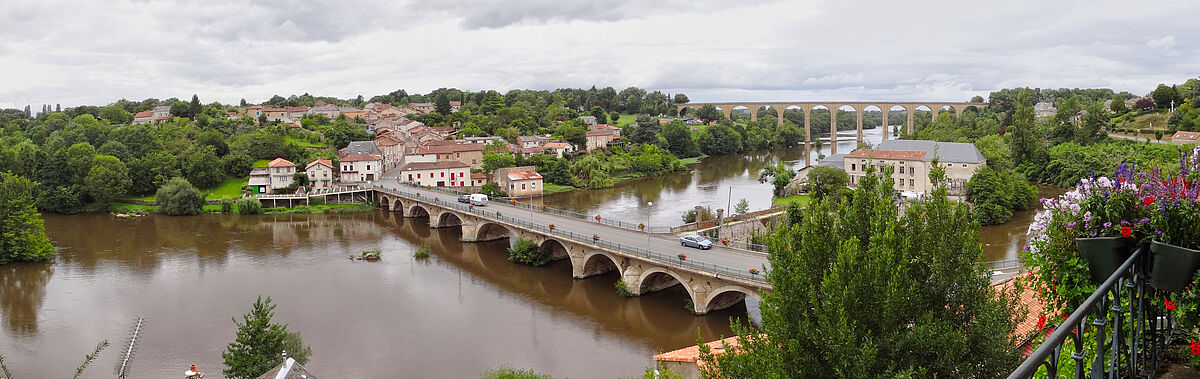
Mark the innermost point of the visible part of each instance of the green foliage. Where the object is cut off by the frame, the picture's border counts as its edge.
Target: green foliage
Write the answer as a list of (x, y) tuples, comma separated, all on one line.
[(505, 372), (861, 291), (742, 207), (679, 140), (249, 205), (226, 205), (996, 194), (260, 343), (178, 197), (780, 176), (709, 113), (107, 179), (423, 251), (1023, 122), (24, 233), (720, 139), (623, 289), (492, 190), (201, 166), (525, 251), (63, 200), (825, 181)]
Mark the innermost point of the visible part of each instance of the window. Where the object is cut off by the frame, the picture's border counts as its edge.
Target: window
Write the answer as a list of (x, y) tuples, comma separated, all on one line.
[(852, 167), (911, 183), (443, 174), (522, 186), (368, 167), (964, 165), (901, 169)]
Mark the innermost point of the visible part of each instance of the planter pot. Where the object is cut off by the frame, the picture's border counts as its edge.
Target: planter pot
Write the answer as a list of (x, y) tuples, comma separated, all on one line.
[(1104, 255), (1173, 266)]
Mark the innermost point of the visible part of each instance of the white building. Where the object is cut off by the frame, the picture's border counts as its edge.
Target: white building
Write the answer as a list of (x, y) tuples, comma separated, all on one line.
[(283, 173), (437, 174), (320, 174), (358, 168)]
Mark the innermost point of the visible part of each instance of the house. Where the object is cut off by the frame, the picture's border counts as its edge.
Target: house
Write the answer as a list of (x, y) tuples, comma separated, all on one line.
[(478, 179), (559, 149), (360, 147), (296, 113), (422, 107), (1044, 109), (686, 361), (277, 114), (532, 141), (162, 113), (253, 111), (358, 168), (352, 112), (1185, 138), (469, 153), (437, 174), (288, 369), (519, 181), (912, 161), (614, 129), (589, 120), (283, 173), (392, 149), (599, 139), (260, 180), (330, 111), (482, 140), (320, 174), (144, 117), (455, 106)]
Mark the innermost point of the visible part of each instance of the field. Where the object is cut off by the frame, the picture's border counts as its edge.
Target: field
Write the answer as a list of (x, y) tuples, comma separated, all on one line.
[(228, 188), (551, 188), (785, 201), (303, 143)]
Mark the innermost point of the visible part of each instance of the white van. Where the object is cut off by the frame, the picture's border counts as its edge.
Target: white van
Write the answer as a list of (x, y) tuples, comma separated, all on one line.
[(479, 199)]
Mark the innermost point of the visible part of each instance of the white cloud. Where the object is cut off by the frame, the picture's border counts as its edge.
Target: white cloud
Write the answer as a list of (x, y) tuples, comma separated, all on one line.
[(712, 49)]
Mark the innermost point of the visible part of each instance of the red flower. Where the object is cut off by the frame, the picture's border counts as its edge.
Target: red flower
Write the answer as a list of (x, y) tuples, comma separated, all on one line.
[(1041, 322), (1195, 348), (1126, 232), (1169, 304), (1148, 200)]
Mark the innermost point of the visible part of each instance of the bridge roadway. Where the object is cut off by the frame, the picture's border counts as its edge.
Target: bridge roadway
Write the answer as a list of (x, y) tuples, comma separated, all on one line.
[(659, 242)]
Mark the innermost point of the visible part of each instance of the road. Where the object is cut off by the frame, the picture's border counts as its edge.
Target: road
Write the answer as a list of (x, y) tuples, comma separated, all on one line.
[(1143, 139), (668, 244)]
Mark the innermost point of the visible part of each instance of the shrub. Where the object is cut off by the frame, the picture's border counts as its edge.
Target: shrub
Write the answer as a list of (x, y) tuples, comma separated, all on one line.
[(527, 252), (423, 251), (179, 197), (249, 206), (226, 205), (623, 289), (505, 372)]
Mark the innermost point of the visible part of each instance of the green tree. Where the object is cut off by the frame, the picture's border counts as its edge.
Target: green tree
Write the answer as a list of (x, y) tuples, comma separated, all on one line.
[(1163, 95), (861, 291), (779, 175), (249, 206), (680, 99), (573, 132), (79, 160), (720, 139), (1023, 123), (525, 251), (179, 197), (709, 113), (21, 225), (194, 108), (107, 180), (824, 181), (1118, 105), (115, 115), (202, 167), (647, 130), (742, 207), (259, 343), (492, 162), (153, 170), (679, 140), (441, 104)]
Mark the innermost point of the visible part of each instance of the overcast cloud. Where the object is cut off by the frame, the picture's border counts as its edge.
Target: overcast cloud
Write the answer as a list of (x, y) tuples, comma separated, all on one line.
[(87, 52)]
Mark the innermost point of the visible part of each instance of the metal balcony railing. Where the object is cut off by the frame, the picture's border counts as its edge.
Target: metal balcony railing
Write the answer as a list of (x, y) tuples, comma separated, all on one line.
[(1120, 331), (670, 260)]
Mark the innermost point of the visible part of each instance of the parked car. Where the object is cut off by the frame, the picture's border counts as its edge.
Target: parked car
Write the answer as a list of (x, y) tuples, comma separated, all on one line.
[(479, 199), (696, 241), (464, 198)]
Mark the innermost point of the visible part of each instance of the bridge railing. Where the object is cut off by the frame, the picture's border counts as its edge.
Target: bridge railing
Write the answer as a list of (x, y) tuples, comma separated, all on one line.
[(1122, 330), (758, 275), (563, 212)]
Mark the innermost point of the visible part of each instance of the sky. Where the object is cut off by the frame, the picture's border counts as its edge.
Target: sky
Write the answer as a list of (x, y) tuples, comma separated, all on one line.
[(96, 52)]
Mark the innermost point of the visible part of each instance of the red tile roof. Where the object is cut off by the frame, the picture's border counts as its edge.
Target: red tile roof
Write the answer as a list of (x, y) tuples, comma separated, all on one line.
[(555, 145), (1183, 135), (360, 158), (386, 140), (478, 176), (524, 175), (600, 132), (691, 354), (455, 148), (280, 162), (144, 114), (326, 162), (421, 166), (906, 155), (1027, 298)]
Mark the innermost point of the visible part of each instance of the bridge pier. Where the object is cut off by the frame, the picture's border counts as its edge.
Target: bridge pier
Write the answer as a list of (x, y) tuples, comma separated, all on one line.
[(833, 131), (860, 127)]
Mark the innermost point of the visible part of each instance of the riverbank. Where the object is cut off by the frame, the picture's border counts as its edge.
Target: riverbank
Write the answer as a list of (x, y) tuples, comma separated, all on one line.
[(126, 208)]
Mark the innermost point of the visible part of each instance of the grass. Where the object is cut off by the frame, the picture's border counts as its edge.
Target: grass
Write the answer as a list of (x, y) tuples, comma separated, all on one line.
[(126, 207), (261, 163), (227, 188), (626, 119), (692, 160), (320, 209), (785, 201), (551, 188), (1144, 121), (302, 143), (422, 252)]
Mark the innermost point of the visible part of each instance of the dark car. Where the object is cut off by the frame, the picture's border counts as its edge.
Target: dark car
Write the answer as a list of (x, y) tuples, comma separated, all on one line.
[(464, 199), (696, 241)]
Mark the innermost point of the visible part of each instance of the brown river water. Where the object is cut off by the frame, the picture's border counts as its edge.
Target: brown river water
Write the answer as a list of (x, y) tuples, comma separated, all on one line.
[(463, 311)]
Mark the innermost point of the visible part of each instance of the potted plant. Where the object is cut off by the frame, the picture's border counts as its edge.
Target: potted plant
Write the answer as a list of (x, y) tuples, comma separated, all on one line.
[(595, 238), (472, 206), (1176, 242), (513, 201), (682, 258), (1111, 213), (725, 241), (552, 227), (597, 218), (497, 213), (753, 271), (642, 227)]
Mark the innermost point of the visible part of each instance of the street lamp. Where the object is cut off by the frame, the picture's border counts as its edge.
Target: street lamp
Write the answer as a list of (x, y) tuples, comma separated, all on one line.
[(649, 204)]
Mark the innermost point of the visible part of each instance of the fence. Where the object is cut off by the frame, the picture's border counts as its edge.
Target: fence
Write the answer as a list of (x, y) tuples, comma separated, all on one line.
[(667, 259), (1140, 330)]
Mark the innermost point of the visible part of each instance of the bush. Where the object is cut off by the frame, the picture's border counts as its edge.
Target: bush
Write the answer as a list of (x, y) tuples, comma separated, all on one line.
[(423, 251), (527, 252), (178, 197), (249, 206), (226, 205), (505, 372), (623, 289)]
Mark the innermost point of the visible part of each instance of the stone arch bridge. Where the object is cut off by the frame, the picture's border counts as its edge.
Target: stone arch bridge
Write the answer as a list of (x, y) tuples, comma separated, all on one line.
[(646, 262), (859, 107)]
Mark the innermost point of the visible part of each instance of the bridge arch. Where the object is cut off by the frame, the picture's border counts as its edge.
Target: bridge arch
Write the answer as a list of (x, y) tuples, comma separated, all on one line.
[(417, 210), (766, 112), (385, 202), (725, 297), (596, 263), (445, 219), (741, 113), (658, 278), (554, 249), (490, 231)]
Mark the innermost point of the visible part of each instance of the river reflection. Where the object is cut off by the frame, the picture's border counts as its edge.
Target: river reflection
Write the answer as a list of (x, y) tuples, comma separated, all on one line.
[(462, 311)]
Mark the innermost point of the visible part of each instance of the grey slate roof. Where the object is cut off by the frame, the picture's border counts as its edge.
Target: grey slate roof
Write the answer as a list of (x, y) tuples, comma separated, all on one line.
[(837, 161), (948, 152), (361, 147)]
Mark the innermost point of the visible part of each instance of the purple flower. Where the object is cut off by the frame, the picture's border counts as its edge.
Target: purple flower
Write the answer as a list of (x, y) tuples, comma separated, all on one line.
[(1125, 223), (1144, 220), (1159, 232), (1108, 225), (1071, 224)]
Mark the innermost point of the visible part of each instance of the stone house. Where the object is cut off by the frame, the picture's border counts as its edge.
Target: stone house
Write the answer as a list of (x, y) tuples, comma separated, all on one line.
[(599, 139), (519, 181), (320, 174), (283, 173), (912, 160), (1044, 109), (392, 149), (558, 149), (437, 174)]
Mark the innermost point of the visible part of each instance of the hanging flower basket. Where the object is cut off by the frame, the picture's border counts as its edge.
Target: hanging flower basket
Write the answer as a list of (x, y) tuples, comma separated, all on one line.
[(754, 271), (552, 226), (543, 207), (642, 227), (1103, 254), (725, 241), (1173, 266), (595, 237), (471, 206), (514, 202), (597, 217), (682, 257), (497, 213)]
